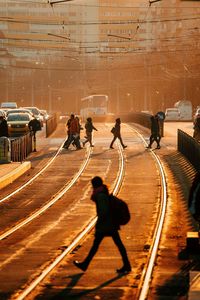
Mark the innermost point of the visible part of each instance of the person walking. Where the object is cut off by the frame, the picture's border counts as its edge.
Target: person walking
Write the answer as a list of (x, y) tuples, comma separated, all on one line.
[(3, 127), (155, 132), (117, 133), (105, 227), (89, 127), (73, 133)]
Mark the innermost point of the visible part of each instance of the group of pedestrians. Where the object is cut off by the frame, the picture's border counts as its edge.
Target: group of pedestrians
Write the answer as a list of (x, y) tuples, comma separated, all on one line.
[(74, 128)]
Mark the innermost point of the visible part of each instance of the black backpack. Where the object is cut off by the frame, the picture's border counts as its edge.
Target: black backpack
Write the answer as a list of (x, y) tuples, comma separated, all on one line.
[(119, 210)]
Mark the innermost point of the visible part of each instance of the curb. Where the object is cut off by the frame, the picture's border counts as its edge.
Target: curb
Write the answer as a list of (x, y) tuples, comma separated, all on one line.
[(14, 174)]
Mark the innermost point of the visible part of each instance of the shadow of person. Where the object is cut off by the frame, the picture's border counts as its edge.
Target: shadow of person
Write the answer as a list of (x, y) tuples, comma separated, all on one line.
[(70, 293)]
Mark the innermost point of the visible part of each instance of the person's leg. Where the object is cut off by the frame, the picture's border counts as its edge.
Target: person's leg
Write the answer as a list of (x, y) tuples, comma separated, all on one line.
[(68, 142), (113, 140), (120, 138), (90, 139), (97, 240), (151, 140), (118, 242)]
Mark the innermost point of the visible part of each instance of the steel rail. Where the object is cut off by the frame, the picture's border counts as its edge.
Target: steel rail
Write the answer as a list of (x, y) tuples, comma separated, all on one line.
[(34, 177), (148, 269), (77, 239), (51, 202)]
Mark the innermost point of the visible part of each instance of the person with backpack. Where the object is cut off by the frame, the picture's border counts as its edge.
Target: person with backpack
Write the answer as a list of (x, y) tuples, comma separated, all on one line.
[(105, 227), (116, 131)]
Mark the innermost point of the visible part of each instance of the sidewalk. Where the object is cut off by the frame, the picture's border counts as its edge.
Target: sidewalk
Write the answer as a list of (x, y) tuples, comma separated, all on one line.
[(11, 171)]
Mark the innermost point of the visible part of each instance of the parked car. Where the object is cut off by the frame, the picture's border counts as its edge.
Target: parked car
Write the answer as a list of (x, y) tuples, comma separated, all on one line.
[(18, 110), (8, 105), (37, 114), (172, 114), (18, 124), (44, 114)]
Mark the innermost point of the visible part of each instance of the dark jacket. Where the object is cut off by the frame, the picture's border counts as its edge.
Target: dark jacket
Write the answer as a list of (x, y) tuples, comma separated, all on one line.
[(117, 127), (105, 222), (155, 126), (89, 126), (3, 127)]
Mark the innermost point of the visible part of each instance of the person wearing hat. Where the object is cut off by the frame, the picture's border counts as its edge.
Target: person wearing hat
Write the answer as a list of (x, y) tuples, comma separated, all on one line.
[(89, 127), (116, 131)]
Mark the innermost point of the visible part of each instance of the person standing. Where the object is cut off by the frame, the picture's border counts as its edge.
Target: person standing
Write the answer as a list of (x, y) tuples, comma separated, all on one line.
[(105, 227), (117, 133), (155, 132), (3, 127), (89, 127)]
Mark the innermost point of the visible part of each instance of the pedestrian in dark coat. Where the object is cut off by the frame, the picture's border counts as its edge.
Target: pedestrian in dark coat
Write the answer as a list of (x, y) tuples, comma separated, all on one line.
[(3, 127), (117, 133), (155, 132), (105, 226), (89, 127)]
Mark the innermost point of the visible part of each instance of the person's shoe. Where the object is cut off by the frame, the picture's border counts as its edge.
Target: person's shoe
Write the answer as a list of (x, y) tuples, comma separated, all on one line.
[(124, 270), (80, 265), (124, 146), (91, 145), (148, 147), (158, 147), (79, 148), (111, 147)]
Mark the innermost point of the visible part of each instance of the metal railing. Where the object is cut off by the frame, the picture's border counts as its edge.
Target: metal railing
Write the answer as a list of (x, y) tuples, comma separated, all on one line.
[(51, 124), (21, 147), (190, 148)]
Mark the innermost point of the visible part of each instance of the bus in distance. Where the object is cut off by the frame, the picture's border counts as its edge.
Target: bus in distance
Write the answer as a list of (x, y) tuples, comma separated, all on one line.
[(94, 106)]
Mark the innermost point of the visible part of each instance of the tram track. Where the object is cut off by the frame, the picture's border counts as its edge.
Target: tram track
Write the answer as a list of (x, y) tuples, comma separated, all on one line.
[(77, 240), (21, 234), (19, 197), (147, 271)]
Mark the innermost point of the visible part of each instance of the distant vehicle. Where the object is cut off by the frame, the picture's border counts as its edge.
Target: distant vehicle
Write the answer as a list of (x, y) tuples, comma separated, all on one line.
[(8, 105), (18, 110), (94, 106), (44, 114), (185, 108), (18, 124), (37, 114), (172, 114)]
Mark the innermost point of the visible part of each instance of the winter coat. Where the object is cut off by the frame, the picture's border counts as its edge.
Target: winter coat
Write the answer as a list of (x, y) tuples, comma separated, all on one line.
[(89, 127), (3, 128), (104, 222)]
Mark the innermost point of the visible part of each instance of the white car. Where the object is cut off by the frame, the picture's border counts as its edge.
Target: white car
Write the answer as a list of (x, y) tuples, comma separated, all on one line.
[(172, 114)]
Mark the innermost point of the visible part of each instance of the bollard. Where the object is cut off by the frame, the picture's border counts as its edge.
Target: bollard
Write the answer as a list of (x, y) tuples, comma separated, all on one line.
[(5, 156)]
